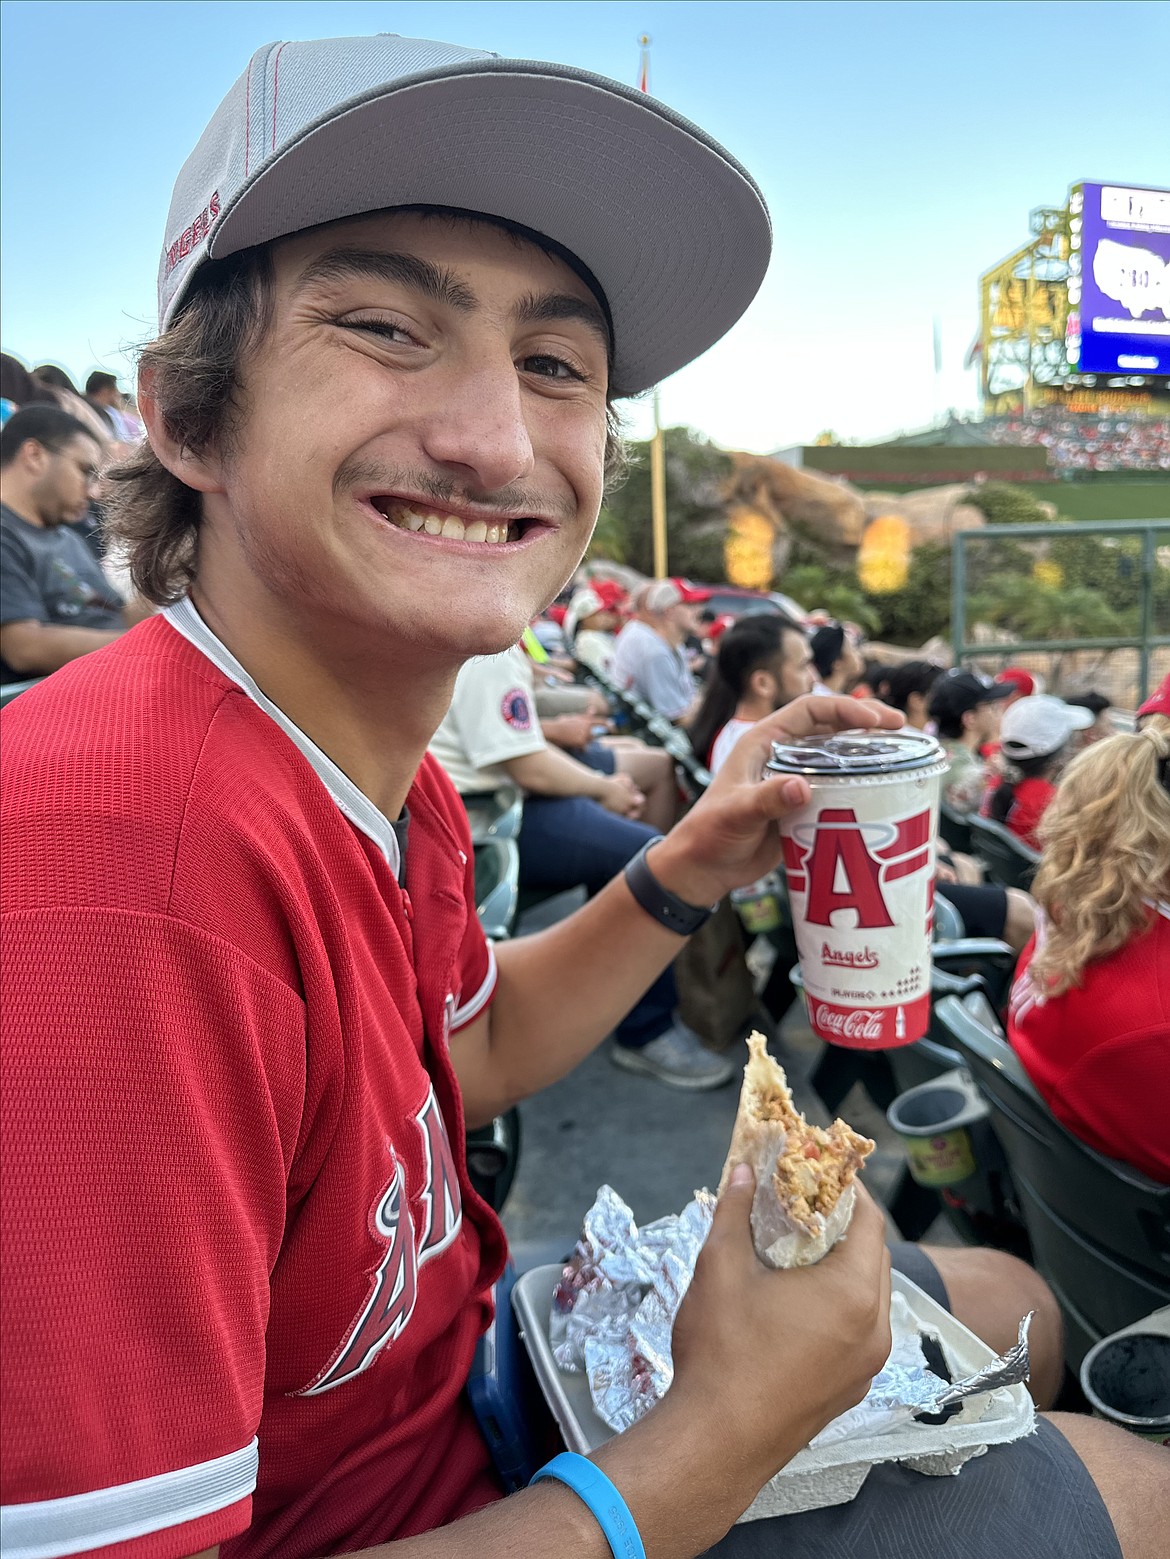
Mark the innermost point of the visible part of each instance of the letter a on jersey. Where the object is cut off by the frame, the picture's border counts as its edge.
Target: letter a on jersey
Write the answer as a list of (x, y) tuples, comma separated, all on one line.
[(393, 1292), (442, 1206), (842, 874)]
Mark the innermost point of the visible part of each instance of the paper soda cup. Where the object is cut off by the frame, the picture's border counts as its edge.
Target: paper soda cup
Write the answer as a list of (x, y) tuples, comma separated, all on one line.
[(859, 860)]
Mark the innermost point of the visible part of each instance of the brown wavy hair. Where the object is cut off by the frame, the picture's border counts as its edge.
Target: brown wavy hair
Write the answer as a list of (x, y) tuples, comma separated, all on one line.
[(194, 368), (1106, 842)]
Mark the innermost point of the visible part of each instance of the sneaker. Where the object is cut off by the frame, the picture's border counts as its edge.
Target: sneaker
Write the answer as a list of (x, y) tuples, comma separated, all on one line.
[(677, 1057)]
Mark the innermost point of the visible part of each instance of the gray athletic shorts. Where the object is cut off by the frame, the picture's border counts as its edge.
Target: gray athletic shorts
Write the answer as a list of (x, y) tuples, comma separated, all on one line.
[(1032, 1497)]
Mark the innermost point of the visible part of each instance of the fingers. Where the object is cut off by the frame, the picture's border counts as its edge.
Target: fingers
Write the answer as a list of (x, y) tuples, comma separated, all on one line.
[(814, 714), (731, 1228), (817, 712)]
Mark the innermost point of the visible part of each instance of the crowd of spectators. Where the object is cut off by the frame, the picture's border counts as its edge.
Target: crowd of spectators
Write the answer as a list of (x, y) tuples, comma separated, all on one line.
[(61, 593), (1084, 441), (1095, 938), (58, 599), (104, 409)]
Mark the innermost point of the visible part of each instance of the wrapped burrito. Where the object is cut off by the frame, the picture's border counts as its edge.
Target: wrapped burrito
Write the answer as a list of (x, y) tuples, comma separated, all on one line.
[(804, 1174)]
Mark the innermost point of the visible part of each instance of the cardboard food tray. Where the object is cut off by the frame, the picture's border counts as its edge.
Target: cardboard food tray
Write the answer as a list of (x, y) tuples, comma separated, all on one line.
[(828, 1475)]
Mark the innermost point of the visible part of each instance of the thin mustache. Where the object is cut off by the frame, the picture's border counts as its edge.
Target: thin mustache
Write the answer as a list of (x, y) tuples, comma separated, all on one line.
[(509, 502)]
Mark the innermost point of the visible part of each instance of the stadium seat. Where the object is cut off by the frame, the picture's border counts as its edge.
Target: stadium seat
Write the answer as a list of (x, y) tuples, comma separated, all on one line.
[(493, 1151), (497, 886), (948, 923), (955, 828), (1009, 861), (993, 961), (1099, 1231), (494, 814), (493, 1155), (9, 691)]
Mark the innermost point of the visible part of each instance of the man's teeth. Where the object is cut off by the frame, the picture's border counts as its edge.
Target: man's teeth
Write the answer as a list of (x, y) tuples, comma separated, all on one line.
[(438, 524)]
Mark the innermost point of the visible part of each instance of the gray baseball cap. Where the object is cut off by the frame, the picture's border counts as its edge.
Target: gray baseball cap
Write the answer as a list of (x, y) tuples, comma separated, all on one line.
[(673, 229)]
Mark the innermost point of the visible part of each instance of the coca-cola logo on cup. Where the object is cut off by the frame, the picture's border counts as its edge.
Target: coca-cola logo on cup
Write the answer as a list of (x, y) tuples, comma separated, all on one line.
[(860, 1023), (840, 864)]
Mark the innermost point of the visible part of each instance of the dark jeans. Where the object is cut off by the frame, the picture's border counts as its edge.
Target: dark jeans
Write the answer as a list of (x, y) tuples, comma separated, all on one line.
[(567, 842)]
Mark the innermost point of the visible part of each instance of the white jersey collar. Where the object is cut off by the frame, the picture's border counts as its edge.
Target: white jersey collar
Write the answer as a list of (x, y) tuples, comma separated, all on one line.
[(350, 801)]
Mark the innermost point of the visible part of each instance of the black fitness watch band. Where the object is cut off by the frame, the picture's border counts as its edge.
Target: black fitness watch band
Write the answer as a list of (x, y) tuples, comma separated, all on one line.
[(663, 906)]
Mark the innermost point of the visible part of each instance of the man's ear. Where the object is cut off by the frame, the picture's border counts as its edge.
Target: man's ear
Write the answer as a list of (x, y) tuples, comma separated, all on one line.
[(33, 456), (761, 683), (200, 469)]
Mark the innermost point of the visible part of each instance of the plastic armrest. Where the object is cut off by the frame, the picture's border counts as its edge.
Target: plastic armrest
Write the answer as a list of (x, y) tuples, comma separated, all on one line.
[(972, 947)]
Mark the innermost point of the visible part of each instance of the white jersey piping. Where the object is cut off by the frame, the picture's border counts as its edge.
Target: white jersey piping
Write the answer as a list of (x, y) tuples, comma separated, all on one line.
[(471, 1008), (350, 801), (49, 1528)]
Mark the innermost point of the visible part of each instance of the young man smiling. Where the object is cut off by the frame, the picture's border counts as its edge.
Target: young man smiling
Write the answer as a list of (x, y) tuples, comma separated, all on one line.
[(249, 1008)]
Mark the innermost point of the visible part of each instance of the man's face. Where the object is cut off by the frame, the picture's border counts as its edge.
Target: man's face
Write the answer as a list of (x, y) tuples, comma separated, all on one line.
[(421, 460), (793, 672), (63, 480), (684, 618)]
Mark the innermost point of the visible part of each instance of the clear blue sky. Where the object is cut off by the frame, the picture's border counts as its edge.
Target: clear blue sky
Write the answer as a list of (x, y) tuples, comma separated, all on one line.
[(901, 147)]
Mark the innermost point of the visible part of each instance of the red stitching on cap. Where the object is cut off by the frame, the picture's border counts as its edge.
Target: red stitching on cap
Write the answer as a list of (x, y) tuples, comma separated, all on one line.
[(275, 90)]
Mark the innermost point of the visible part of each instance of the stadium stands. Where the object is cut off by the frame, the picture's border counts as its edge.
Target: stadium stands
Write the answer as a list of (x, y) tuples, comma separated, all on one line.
[(1087, 442)]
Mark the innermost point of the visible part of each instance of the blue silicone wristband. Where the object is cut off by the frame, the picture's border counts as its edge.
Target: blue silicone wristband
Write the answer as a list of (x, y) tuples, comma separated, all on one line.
[(590, 1484)]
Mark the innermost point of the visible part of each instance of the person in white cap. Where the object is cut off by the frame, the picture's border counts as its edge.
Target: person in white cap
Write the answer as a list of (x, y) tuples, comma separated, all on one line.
[(1035, 743), (590, 624), (249, 1009), (649, 655)]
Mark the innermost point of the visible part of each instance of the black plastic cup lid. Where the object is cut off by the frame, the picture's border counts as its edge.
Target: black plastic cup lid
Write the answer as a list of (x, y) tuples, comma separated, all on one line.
[(856, 752)]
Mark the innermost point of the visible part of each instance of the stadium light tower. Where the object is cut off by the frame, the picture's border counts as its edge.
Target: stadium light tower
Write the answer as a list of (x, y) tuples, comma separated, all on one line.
[(1023, 317)]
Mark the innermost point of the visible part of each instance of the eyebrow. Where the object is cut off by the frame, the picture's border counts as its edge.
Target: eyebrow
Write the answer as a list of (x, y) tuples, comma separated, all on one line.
[(550, 307), (422, 276), (443, 286)]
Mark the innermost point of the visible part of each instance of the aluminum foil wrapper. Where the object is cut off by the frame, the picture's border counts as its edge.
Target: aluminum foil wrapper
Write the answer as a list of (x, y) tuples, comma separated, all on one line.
[(613, 1315), (906, 1386)]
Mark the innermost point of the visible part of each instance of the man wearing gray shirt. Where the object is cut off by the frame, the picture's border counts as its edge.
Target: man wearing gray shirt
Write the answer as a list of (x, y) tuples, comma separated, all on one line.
[(649, 658), (55, 601)]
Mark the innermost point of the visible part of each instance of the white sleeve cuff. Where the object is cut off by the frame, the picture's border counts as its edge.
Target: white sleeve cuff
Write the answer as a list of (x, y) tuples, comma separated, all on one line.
[(48, 1528), (472, 1008)]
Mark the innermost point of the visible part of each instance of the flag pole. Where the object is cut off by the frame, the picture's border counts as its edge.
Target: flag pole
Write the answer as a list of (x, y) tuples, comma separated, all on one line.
[(658, 444), (658, 494)]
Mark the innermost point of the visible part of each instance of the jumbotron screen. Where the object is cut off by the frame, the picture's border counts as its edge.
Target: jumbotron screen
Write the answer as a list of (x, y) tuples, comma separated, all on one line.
[(1119, 280)]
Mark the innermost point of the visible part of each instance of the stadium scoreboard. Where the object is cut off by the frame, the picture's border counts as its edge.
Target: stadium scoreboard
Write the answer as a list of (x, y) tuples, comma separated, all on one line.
[(1118, 320)]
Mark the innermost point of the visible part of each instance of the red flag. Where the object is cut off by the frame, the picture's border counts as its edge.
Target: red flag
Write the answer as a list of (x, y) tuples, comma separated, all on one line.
[(644, 69)]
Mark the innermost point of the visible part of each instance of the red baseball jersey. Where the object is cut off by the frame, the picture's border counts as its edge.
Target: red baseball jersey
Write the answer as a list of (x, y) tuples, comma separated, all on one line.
[(237, 1226), (1030, 800), (1100, 1053)]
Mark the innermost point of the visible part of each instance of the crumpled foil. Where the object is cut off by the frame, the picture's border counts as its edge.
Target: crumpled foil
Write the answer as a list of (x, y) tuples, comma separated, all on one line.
[(613, 1314)]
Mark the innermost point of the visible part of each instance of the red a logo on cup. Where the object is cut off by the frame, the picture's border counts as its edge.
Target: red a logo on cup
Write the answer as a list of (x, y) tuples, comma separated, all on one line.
[(842, 872)]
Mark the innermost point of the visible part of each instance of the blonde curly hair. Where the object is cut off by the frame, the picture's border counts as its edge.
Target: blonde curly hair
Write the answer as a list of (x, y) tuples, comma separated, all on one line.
[(1106, 849)]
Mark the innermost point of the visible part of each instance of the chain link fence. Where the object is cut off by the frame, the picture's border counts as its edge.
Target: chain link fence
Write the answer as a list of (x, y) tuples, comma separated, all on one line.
[(1087, 607)]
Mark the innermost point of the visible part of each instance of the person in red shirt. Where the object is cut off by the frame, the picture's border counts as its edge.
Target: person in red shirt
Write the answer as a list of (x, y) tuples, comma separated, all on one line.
[(249, 1010), (1034, 741), (1090, 1008)]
